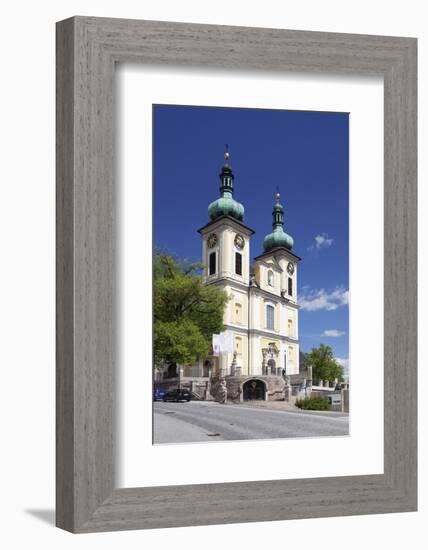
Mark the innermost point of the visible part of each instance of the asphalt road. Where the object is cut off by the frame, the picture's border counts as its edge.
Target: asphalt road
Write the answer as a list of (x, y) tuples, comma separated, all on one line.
[(208, 421)]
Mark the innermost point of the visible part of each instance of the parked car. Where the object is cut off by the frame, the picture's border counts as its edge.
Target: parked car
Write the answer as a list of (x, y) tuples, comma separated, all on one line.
[(177, 395), (158, 394)]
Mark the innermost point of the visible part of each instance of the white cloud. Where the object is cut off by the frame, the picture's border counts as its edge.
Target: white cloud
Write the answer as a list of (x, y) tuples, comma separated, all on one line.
[(333, 333), (321, 241), (315, 300)]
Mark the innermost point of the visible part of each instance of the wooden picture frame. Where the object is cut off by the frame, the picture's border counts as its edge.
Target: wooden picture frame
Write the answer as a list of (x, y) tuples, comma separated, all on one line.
[(87, 50)]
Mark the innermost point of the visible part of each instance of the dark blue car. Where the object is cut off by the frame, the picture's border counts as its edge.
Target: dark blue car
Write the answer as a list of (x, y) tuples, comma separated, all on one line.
[(158, 394)]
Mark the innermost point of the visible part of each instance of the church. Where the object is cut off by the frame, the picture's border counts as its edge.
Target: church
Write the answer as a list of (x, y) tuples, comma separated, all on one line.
[(261, 318)]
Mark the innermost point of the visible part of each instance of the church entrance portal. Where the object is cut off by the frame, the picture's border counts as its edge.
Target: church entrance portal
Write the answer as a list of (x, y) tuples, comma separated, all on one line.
[(254, 389), (272, 366)]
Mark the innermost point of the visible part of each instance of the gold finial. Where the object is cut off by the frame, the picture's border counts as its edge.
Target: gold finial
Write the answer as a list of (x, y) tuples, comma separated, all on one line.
[(226, 153), (277, 195)]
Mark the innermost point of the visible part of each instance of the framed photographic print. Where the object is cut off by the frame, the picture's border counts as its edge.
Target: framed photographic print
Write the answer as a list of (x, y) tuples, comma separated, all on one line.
[(236, 274)]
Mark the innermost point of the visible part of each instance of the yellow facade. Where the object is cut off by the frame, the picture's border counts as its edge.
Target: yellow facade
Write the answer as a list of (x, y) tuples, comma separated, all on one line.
[(245, 316), (241, 348), (262, 317), (277, 317)]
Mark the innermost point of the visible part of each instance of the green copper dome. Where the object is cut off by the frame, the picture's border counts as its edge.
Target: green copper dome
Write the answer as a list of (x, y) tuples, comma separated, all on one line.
[(226, 205), (278, 237)]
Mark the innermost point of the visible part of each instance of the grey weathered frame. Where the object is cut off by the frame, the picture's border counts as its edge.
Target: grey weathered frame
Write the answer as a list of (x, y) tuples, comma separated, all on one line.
[(87, 50)]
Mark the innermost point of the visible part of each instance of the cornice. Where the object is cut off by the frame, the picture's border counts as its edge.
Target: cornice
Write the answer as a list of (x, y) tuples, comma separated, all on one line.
[(281, 251), (255, 290), (226, 220), (260, 332)]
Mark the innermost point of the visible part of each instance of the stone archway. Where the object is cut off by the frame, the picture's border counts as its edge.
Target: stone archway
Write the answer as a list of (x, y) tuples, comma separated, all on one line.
[(254, 389), (270, 359)]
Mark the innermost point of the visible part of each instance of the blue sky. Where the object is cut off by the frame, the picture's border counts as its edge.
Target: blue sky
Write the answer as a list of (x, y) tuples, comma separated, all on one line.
[(304, 153)]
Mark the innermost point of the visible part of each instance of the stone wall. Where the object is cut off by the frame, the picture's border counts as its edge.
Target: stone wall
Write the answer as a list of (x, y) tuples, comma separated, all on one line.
[(275, 388)]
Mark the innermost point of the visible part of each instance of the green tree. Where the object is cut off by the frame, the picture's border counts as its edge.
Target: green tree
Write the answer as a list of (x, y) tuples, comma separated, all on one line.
[(324, 365), (186, 312), (178, 342)]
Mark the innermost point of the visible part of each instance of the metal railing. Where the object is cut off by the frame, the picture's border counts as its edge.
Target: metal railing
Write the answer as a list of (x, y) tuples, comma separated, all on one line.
[(272, 371)]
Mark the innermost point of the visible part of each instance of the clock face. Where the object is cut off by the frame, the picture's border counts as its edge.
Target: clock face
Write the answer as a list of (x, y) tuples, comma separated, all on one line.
[(290, 268), (212, 240), (239, 242)]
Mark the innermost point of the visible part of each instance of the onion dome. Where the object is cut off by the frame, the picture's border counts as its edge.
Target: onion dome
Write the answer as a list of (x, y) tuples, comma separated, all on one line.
[(278, 237), (226, 205)]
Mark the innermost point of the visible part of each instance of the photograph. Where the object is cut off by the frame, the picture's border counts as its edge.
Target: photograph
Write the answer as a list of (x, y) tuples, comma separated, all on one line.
[(250, 274)]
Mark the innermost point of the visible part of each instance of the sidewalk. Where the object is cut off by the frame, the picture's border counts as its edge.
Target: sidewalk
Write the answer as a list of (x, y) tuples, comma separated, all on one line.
[(284, 406)]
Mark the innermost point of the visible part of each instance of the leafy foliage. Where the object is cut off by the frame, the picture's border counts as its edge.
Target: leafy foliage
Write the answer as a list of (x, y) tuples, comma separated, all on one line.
[(178, 342), (313, 404), (186, 312), (324, 365)]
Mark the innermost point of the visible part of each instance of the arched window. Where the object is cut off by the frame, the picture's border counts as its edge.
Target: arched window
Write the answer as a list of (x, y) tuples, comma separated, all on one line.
[(238, 344), (238, 263), (270, 317), (290, 353), (270, 277), (290, 327), (238, 312), (290, 286), (212, 266)]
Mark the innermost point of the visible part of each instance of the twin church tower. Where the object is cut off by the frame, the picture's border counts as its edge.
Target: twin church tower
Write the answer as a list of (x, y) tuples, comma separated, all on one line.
[(261, 316)]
